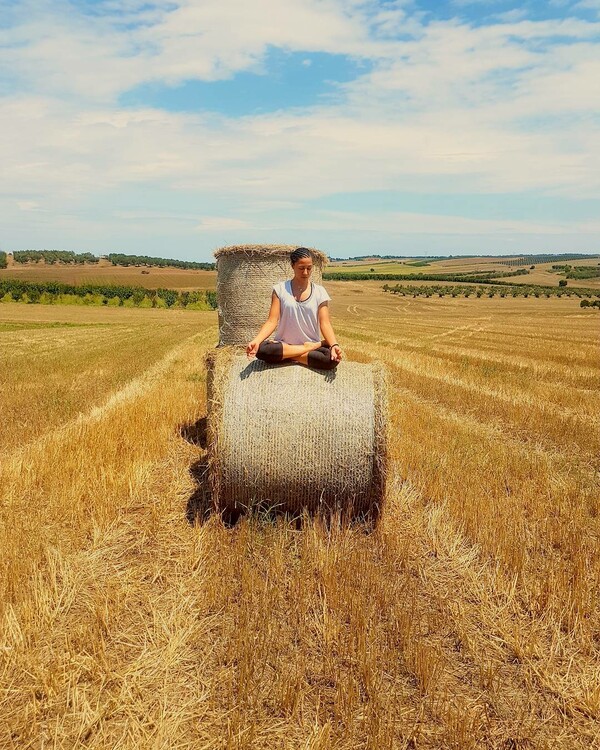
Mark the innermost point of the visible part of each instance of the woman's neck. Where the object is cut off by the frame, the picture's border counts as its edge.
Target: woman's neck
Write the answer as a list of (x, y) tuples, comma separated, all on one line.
[(299, 288)]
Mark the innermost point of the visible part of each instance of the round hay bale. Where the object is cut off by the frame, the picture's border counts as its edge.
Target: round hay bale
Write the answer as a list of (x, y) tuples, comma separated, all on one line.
[(245, 277), (291, 438)]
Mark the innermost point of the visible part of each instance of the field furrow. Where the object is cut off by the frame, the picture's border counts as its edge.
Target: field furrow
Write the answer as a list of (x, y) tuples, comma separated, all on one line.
[(527, 417)]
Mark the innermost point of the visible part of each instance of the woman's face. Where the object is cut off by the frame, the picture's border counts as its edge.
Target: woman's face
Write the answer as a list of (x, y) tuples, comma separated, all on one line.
[(303, 269)]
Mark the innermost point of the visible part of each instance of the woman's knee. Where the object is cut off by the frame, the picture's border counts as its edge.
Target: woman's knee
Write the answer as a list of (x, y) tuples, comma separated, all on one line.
[(270, 352), (320, 359)]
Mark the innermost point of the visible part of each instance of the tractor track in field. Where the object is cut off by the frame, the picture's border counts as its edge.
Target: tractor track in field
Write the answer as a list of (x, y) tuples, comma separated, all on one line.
[(453, 352), (129, 392), (468, 330)]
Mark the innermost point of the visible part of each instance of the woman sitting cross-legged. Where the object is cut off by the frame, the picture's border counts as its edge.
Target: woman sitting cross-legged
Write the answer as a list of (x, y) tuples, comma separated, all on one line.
[(300, 313)]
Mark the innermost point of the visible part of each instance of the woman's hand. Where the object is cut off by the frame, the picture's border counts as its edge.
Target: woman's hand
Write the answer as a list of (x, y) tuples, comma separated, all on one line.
[(336, 353), (252, 348)]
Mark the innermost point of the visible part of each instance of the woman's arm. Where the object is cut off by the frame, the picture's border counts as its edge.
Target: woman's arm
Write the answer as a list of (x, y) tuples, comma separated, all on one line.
[(327, 331), (268, 327)]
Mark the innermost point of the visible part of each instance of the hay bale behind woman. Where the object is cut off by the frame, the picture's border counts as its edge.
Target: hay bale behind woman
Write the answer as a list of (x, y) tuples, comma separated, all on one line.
[(245, 278)]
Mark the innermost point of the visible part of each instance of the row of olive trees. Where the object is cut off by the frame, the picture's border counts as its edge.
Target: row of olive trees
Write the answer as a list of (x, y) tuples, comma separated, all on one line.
[(120, 259), (465, 290), (476, 277), (53, 256), (128, 296)]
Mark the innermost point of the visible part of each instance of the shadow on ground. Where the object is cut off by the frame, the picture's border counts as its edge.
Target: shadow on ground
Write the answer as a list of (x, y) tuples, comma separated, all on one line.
[(199, 506), (195, 433)]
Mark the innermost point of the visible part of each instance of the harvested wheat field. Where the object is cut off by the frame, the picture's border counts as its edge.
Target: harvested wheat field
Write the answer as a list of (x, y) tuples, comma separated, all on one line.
[(469, 618)]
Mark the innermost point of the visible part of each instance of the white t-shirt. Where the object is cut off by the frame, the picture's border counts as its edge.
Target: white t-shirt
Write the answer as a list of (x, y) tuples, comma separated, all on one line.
[(299, 321)]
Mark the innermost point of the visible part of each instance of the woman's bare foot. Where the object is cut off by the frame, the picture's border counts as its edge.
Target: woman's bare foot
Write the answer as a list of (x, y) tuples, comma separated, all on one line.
[(301, 359), (310, 346)]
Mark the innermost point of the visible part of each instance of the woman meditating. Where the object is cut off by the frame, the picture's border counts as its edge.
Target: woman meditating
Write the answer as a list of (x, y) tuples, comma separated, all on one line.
[(299, 308)]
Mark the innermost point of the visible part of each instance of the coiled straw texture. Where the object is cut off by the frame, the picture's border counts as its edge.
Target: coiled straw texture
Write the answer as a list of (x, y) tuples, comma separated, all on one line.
[(291, 438), (245, 277)]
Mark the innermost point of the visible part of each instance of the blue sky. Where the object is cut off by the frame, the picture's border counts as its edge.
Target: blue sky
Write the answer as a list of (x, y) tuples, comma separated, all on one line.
[(176, 126), (284, 80)]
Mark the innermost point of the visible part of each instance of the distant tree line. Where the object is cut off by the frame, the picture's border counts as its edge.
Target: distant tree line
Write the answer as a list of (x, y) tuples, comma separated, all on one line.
[(399, 257), (478, 277), (504, 290), (587, 303), (15, 290), (508, 260), (53, 256), (119, 259), (3, 262)]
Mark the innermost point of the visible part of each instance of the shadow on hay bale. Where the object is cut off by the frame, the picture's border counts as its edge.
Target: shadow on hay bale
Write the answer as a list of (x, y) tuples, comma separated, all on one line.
[(286, 439), (256, 366)]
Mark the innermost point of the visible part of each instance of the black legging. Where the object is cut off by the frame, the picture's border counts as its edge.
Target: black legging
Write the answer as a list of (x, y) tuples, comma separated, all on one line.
[(318, 359)]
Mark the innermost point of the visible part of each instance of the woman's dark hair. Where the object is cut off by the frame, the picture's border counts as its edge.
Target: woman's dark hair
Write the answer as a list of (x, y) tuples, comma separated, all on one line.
[(300, 252)]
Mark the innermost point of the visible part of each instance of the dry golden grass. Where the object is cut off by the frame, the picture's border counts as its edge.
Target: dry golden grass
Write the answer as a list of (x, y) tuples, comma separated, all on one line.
[(58, 362), (468, 619)]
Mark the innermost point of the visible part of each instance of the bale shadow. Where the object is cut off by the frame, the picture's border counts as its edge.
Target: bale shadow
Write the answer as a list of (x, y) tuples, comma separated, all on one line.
[(200, 507), (329, 517), (258, 365), (195, 433)]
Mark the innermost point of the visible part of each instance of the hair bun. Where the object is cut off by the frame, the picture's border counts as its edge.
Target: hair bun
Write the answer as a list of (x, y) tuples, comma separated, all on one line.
[(299, 252)]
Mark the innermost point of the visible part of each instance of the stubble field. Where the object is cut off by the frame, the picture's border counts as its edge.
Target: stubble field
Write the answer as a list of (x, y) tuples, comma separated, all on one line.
[(468, 619)]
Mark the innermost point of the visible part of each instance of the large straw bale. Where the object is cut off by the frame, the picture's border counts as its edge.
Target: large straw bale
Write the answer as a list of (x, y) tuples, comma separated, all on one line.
[(245, 276), (290, 437)]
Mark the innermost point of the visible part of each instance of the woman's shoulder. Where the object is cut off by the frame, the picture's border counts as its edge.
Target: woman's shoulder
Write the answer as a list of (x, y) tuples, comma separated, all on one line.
[(320, 292), (281, 287)]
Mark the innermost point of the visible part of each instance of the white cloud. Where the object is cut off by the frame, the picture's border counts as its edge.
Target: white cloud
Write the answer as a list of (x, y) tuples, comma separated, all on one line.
[(588, 5), (54, 49), (400, 223), (28, 206), (511, 106), (221, 223)]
